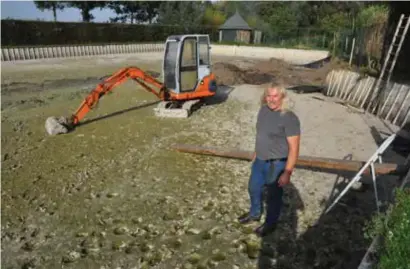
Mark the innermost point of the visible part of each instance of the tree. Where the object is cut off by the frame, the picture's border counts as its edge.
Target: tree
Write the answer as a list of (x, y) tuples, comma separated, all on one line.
[(50, 5), (138, 11), (85, 7), (125, 10), (181, 13), (372, 15), (213, 17), (150, 10)]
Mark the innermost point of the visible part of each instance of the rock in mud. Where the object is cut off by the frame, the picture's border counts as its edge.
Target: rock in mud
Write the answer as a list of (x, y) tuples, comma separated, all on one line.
[(252, 248), (112, 194), (56, 126), (187, 266), (212, 264), (153, 258), (224, 190), (91, 251), (82, 234), (137, 220), (72, 256), (247, 230), (145, 247), (194, 258), (176, 243), (29, 246), (118, 245), (92, 242), (121, 230), (206, 235), (218, 255), (202, 265), (193, 231), (31, 264)]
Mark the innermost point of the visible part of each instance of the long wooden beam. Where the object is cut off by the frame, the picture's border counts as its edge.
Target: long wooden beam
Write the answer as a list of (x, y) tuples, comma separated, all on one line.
[(303, 161)]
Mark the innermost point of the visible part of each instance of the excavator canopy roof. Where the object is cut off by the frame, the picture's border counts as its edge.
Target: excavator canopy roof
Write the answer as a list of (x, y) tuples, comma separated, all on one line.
[(179, 37)]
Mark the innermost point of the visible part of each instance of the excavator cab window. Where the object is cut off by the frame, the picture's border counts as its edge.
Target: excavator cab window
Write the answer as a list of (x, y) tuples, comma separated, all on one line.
[(188, 64), (170, 62), (204, 68), (203, 47)]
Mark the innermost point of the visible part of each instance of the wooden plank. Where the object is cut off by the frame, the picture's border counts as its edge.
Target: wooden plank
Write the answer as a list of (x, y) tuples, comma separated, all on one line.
[(303, 161)]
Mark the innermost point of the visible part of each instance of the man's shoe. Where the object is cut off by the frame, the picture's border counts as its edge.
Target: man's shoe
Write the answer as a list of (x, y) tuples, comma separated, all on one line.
[(246, 218), (265, 229)]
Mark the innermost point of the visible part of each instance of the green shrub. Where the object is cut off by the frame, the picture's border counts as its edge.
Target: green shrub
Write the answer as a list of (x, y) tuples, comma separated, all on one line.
[(394, 251)]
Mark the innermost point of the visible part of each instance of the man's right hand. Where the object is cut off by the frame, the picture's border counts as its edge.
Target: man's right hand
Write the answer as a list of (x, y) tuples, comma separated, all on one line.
[(254, 157)]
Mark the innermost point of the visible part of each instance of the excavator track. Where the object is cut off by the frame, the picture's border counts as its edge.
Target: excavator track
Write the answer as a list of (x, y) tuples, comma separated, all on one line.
[(175, 109)]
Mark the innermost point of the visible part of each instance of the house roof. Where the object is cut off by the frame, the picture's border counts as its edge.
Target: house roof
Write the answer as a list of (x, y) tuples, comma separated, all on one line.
[(235, 22)]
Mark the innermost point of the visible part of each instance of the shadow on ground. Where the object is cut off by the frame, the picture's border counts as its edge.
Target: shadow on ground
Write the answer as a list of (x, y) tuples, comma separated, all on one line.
[(306, 89), (399, 148), (398, 152), (117, 113), (335, 240), (317, 64), (220, 97)]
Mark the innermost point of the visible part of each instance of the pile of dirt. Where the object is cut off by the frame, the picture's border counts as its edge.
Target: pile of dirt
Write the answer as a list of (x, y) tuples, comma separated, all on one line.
[(272, 70), (230, 74)]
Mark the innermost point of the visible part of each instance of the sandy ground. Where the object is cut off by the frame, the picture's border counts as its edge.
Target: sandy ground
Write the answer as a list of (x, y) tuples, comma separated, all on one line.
[(112, 194)]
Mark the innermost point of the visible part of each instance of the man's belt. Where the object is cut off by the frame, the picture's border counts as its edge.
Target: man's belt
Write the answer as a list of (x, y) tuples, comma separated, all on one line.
[(275, 160)]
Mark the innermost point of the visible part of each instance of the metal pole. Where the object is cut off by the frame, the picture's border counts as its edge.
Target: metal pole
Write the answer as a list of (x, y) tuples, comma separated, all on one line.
[(351, 52)]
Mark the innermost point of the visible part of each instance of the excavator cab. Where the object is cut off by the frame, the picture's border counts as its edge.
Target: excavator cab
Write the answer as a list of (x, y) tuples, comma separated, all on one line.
[(187, 65), (186, 74)]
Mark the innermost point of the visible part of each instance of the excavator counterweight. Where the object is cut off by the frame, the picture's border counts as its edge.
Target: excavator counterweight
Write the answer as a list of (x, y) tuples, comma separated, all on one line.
[(187, 80)]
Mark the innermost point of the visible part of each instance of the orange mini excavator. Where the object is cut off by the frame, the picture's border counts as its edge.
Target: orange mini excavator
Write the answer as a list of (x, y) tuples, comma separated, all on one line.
[(187, 80)]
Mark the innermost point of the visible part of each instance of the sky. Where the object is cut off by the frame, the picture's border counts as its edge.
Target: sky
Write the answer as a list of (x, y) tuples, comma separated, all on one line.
[(28, 11)]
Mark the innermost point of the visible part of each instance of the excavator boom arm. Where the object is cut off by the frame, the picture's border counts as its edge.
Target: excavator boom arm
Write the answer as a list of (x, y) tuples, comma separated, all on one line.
[(111, 82)]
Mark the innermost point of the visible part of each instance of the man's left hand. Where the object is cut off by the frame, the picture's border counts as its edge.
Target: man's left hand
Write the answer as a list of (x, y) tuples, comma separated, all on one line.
[(284, 179)]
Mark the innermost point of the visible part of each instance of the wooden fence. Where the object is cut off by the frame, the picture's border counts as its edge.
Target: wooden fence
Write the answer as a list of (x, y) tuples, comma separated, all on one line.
[(358, 91)]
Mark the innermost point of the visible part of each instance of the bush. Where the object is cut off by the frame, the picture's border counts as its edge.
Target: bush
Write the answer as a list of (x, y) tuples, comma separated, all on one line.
[(395, 231), (42, 33)]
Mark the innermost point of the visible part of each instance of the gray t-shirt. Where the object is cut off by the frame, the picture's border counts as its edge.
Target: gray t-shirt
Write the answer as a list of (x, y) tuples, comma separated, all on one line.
[(272, 129)]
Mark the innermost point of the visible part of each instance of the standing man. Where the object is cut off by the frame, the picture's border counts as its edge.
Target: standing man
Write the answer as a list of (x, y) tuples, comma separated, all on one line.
[(275, 156)]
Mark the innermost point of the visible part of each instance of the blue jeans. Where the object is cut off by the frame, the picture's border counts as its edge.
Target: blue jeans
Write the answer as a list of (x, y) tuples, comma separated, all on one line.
[(265, 173)]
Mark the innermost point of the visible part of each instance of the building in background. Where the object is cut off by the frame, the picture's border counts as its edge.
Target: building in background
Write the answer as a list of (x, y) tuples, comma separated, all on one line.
[(236, 29)]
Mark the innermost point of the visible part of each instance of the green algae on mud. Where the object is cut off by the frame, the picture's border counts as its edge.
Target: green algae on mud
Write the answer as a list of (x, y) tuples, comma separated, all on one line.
[(78, 189), (79, 69)]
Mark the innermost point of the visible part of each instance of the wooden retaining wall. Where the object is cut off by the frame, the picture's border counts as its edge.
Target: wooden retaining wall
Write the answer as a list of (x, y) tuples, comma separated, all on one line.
[(294, 56), (32, 53), (359, 91)]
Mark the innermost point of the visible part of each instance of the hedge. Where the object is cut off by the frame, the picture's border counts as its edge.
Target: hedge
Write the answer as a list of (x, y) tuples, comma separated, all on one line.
[(34, 33)]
